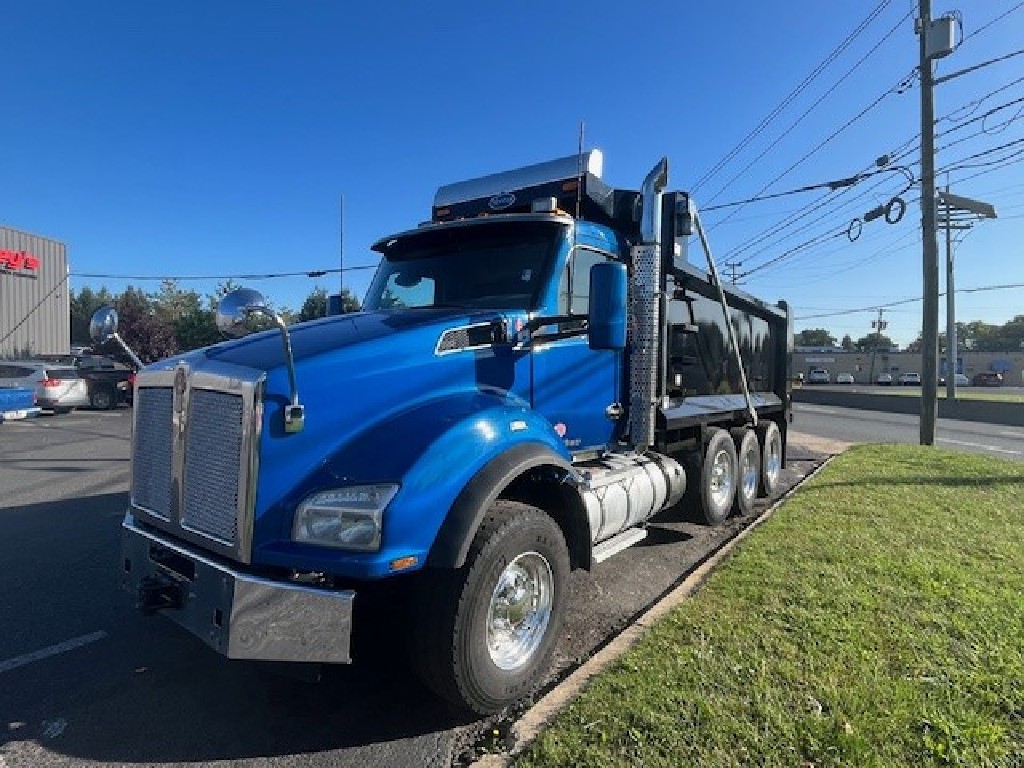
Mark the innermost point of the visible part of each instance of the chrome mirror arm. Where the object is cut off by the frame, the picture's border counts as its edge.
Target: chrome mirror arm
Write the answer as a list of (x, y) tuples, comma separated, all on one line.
[(232, 312), (294, 414), (127, 350)]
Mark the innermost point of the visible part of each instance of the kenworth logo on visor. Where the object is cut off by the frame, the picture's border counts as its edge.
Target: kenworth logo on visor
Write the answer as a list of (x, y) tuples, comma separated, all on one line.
[(500, 202)]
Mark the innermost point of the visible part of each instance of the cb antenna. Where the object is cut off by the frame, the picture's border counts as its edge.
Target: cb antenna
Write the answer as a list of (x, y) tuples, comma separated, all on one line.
[(579, 173)]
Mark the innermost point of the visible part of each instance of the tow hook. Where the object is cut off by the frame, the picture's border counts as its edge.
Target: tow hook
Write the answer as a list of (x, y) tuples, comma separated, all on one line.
[(156, 594)]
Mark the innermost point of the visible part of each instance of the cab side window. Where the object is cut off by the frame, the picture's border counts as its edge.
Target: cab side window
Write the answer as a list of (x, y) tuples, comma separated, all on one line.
[(574, 291)]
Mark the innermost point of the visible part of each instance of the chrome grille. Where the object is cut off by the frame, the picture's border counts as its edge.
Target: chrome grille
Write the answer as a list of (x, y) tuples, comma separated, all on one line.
[(153, 450), (195, 453), (213, 446)]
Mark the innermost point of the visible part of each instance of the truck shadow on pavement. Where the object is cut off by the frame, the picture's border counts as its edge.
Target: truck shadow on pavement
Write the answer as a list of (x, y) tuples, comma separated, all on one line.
[(149, 693)]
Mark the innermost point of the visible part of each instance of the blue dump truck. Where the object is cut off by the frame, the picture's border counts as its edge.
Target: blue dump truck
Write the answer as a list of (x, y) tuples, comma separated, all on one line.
[(537, 371), (17, 403)]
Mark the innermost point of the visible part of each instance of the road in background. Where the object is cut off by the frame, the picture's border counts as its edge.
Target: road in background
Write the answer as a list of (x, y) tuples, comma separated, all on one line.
[(853, 425), (87, 680)]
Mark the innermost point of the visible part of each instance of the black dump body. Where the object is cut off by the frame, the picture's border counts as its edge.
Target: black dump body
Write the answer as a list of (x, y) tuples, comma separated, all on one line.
[(700, 377)]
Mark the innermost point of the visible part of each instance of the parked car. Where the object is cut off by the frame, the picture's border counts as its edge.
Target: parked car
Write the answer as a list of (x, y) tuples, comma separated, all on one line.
[(988, 379), (884, 380), (17, 403), (57, 387), (959, 379), (819, 376), (910, 379), (844, 378)]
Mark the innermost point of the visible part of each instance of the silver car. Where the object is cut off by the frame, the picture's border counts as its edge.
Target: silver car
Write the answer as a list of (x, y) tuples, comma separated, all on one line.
[(57, 387)]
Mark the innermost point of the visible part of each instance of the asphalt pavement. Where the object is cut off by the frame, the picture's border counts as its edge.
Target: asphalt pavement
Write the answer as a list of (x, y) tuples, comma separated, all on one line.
[(87, 680), (854, 425)]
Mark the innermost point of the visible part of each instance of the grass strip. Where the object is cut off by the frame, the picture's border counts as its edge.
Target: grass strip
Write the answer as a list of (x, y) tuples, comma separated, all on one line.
[(997, 397), (876, 620)]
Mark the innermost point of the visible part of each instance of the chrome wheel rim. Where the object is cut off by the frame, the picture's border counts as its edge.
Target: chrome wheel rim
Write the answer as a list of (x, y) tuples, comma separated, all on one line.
[(773, 465), (748, 473), (520, 610), (721, 479)]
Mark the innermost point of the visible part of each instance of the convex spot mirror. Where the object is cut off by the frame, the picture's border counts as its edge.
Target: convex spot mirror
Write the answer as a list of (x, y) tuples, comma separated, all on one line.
[(103, 324), (239, 310)]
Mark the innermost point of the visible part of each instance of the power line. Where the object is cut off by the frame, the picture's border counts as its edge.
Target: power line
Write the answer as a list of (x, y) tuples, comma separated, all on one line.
[(998, 18), (961, 164), (982, 117), (805, 211), (792, 95), (810, 109), (831, 185), (901, 302), (258, 276), (975, 103), (37, 306), (818, 240), (815, 207)]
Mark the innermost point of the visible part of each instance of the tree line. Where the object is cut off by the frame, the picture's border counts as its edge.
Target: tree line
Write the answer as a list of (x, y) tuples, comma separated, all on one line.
[(976, 336), (173, 319)]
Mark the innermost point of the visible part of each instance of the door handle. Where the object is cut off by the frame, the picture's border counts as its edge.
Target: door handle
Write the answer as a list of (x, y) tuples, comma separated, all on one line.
[(614, 411)]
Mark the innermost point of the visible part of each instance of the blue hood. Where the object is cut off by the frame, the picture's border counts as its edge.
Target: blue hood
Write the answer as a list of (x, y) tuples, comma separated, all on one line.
[(332, 334), (377, 396)]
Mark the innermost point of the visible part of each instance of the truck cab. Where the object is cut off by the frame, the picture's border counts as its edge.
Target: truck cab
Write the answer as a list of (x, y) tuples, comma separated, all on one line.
[(536, 372)]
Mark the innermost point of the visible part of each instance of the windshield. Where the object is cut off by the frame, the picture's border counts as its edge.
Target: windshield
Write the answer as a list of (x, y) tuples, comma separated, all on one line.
[(487, 266)]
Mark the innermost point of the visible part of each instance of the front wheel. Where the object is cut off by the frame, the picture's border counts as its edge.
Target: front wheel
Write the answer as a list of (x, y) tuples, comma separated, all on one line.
[(484, 633)]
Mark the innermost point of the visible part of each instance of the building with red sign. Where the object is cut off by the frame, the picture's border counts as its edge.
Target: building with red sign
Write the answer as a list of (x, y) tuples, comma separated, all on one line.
[(35, 315)]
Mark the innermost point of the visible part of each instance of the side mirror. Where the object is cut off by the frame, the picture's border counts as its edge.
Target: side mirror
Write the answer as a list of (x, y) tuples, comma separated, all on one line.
[(103, 324), (607, 324), (103, 328), (236, 308)]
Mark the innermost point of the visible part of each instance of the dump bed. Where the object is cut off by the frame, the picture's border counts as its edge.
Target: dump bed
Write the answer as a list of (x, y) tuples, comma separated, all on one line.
[(702, 375)]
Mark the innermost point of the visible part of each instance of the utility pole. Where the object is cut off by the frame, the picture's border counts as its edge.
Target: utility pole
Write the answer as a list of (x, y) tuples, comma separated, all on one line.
[(951, 357), (733, 267), (878, 325), (930, 250), (341, 246)]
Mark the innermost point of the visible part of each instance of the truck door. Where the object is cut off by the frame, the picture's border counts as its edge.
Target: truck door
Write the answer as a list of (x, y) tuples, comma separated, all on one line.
[(574, 385)]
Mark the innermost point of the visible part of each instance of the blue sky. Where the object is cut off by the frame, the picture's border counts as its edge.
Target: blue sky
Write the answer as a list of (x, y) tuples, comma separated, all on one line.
[(216, 138)]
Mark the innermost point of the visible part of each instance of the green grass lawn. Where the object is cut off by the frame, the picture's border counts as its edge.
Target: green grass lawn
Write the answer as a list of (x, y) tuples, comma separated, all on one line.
[(876, 620)]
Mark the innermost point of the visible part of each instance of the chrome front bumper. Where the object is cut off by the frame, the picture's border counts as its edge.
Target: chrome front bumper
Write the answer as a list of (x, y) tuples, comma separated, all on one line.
[(239, 615)]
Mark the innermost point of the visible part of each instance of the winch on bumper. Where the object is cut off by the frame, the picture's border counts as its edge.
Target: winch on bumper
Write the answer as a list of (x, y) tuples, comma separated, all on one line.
[(240, 615)]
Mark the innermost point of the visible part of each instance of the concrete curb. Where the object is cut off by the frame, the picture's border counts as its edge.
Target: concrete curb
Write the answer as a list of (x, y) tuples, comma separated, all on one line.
[(528, 727)]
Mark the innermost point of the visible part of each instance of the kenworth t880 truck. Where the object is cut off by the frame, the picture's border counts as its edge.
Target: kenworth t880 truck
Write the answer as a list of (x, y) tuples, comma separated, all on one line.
[(536, 372)]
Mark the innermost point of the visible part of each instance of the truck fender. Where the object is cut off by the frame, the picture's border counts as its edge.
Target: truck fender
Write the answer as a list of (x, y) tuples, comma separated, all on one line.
[(460, 525)]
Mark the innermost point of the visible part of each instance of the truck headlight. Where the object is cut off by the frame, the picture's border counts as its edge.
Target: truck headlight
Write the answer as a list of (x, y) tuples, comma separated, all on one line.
[(346, 518)]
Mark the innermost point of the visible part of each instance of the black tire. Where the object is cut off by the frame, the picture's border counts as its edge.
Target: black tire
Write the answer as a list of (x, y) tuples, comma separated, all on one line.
[(103, 398), (450, 649), (718, 477), (770, 438), (61, 410), (748, 472)]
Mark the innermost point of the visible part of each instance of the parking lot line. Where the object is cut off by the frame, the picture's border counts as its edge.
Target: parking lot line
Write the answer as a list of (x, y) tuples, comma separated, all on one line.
[(53, 650)]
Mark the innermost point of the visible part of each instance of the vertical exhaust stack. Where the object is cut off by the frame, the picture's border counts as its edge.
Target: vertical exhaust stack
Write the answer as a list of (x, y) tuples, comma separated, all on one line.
[(644, 304), (654, 185)]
